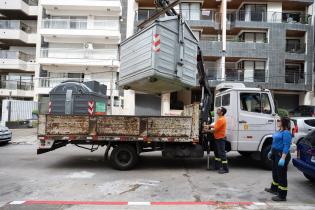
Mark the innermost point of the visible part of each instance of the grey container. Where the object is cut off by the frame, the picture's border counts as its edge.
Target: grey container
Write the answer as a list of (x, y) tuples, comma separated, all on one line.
[(74, 97), (174, 67)]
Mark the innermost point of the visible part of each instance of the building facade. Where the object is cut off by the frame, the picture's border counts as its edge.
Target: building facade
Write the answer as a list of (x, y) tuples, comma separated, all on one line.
[(78, 40), (269, 44), (18, 34)]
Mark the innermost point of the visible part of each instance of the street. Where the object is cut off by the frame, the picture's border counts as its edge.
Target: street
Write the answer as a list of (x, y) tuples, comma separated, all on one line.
[(76, 175)]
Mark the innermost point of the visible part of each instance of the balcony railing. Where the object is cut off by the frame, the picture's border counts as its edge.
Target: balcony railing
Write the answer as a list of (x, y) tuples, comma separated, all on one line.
[(238, 75), (16, 85), (11, 54), (16, 24), (295, 48), (49, 82), (110, 25), (66, 53), (294, 77), (31, 2), (202, 14), (270, 16)]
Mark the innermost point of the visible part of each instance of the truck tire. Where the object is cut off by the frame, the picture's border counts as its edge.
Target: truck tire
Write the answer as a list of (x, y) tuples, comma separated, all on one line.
[(312, 179), (245, 154), (266, 163), (123, 157)]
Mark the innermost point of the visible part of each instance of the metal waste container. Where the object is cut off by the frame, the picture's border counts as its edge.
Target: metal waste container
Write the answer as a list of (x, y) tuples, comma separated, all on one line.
[(161, 58), (70, 97)]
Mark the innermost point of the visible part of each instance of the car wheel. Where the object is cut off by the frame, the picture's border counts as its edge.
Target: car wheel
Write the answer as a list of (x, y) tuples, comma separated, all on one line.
[(124, 157), (267, 164), (312, 179)]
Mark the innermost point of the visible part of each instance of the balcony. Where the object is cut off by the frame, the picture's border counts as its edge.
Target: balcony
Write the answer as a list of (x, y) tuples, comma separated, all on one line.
[(79, 57), (105, 7), (294, 77), (253, 18), (241, 75), (195, 18), (19, 9), (45, 84), (16, 88), (102, 31), (17, 61), (16, 32), (234, 48), (298, 48)]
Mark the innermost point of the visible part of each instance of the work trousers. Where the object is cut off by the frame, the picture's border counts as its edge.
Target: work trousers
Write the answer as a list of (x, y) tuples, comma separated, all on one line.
[(279, 174), (220, 154)]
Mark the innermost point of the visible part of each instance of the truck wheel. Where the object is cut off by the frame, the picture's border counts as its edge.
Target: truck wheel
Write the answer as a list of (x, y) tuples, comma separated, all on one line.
[(123, 157), (267, 164), (245, 154), (312, 179)]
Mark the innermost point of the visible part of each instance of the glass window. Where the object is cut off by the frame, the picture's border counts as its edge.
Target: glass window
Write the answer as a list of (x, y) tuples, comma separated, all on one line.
[(265, 104), (310, 123), (250, 102), (218, 101), (226, 100), (116, 101)]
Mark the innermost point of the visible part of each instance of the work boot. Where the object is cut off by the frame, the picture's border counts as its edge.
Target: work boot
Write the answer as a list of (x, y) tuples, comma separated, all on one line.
[(271, 191), (277, 198), (223, 171), (216, 165)]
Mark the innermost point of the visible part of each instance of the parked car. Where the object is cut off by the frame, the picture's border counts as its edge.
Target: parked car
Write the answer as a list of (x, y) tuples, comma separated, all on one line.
[(302, 126), (5, 134), (303, 111), (305, 160)]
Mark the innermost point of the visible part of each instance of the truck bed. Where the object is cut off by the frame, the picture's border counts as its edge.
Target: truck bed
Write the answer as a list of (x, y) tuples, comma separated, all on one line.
[(122, 128)]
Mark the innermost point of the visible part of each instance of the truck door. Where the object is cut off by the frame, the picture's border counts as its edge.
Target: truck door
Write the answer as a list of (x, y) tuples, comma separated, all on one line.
[(256, 119)]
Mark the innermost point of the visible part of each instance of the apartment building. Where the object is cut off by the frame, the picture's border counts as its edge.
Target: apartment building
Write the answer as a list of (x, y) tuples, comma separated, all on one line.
[(78, 40), (18, 27), (268, 44)]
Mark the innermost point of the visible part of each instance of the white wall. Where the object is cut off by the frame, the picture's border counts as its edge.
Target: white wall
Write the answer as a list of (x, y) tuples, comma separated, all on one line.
[(274, 10)]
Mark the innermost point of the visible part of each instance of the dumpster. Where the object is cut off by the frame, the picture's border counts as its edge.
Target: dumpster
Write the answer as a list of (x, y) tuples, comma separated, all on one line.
[(71, 98), (161, 58)]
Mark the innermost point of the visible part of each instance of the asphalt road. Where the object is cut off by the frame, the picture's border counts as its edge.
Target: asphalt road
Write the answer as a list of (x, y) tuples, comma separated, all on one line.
[(76, 175)]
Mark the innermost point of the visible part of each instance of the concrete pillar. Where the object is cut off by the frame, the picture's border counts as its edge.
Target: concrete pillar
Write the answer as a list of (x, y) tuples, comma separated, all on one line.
[(165, 104)]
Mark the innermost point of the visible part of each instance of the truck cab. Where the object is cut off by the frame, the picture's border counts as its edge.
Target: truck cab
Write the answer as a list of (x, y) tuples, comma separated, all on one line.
[(251, 118)]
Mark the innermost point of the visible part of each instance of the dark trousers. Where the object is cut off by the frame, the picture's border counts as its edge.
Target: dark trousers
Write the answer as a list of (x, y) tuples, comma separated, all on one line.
[(279, 174), (220, 154)]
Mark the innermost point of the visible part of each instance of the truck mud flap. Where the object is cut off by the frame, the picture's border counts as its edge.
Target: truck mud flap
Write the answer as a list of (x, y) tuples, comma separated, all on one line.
[(56, 145)]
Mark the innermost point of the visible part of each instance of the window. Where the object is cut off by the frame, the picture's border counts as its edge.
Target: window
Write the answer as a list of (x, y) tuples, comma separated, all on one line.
[(250, 102), (310, 123), (226, 100), (218, 101), (191, 11), (265, 104), (253, 12), (116, 101)]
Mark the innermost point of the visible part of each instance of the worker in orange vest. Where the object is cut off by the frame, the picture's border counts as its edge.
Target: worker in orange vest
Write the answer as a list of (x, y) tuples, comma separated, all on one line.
[(219, 132)]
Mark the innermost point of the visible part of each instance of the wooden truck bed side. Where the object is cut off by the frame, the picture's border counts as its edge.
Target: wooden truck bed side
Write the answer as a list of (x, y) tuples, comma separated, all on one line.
[(122, 128)]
